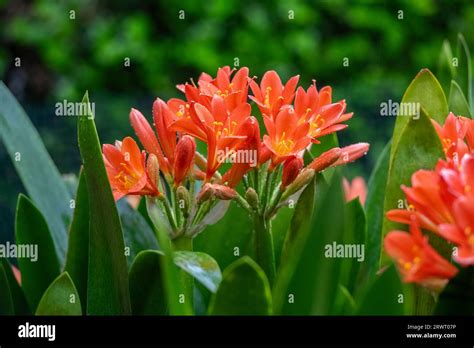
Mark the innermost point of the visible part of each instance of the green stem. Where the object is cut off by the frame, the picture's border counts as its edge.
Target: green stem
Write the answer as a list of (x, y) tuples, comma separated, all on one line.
[(184, 243), (424, 301), (169, 213), (263, 243)]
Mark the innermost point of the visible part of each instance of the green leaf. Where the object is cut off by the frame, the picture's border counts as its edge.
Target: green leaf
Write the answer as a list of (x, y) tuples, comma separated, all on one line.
[(174, 288), (280, 227), (20, 304), (375, 216), (61, 298), (384, 295), (201, 266), (425, 90), (308, 277), (77, 262), (36, 169), (31, 229), (301, 220), (446, 70), (464, 72), (458, 296), (6, 302), (227, 240), (419, 148), (354, 234), (147, 293), (457, 101), (244, 290), (108, 292), (138, 235)]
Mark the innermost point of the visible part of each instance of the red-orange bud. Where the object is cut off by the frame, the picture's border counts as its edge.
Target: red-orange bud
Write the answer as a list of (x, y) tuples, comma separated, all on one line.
[(325, 159), (183, 158), (291, 168)]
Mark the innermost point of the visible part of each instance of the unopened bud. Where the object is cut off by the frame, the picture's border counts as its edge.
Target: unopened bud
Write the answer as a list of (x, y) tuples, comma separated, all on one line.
[(184, 199), (291, 168), (206, 193), (183, 158), (223, 192), (301, 181), (153, 169), (251, 197), (326, 159)]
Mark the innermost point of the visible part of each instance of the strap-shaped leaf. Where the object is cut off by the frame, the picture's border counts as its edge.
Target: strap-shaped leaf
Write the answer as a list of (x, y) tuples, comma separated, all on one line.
[(32, 232), (36, 169), (457, 101), (6, 302), (108, 292)]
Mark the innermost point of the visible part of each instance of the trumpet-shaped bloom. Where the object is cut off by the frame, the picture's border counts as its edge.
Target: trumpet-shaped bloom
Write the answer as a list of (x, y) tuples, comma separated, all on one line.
[(271, 95), (126, 169), (417, 261)]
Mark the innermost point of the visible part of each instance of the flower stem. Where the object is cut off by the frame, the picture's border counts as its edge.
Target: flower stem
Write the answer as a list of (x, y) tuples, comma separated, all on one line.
[(184, 243), (263, 243)]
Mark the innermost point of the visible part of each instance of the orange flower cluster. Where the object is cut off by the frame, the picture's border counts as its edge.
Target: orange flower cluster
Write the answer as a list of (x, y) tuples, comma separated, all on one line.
[(217, 112), (441, 201)]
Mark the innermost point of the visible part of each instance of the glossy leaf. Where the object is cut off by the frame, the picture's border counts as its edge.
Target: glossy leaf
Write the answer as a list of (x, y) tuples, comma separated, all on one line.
[(458, 296), (426, 92), (419, 148), (201, 266), (6, 301), (307, 283), (77, 262), (36, 169), (375, 215), (147, 293), (244, 290), (31, 229), (457, 101), (61, 298), (108, 292)]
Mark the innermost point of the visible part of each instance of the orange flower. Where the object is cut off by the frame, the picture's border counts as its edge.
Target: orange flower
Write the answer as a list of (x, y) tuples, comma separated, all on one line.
[(354, 189), (233, 90), (222, 130), (125, 165), (317, 108), (285, 136), (452, 135), (271, 95), (417, 261)]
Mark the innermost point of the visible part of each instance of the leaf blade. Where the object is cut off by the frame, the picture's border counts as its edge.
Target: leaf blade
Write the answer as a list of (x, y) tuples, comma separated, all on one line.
[(57, 298)]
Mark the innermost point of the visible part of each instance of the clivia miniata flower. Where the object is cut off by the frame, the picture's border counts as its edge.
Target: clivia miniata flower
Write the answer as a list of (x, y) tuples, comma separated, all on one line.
[(442, 200)]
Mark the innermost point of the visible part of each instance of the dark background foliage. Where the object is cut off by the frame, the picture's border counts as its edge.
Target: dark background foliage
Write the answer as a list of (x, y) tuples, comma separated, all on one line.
[(61, 57)]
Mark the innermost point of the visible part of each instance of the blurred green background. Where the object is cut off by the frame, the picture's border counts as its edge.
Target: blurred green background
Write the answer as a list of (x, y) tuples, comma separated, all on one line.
[(67, 47)]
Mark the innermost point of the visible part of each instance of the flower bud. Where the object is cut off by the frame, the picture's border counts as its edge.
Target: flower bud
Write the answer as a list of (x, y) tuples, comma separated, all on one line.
[(301, 181), (153, 169), (351, 153), (183, 158), (251, 197), (206, 193), (291, 168), (184, 199), (325, 160), (223, 192)]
